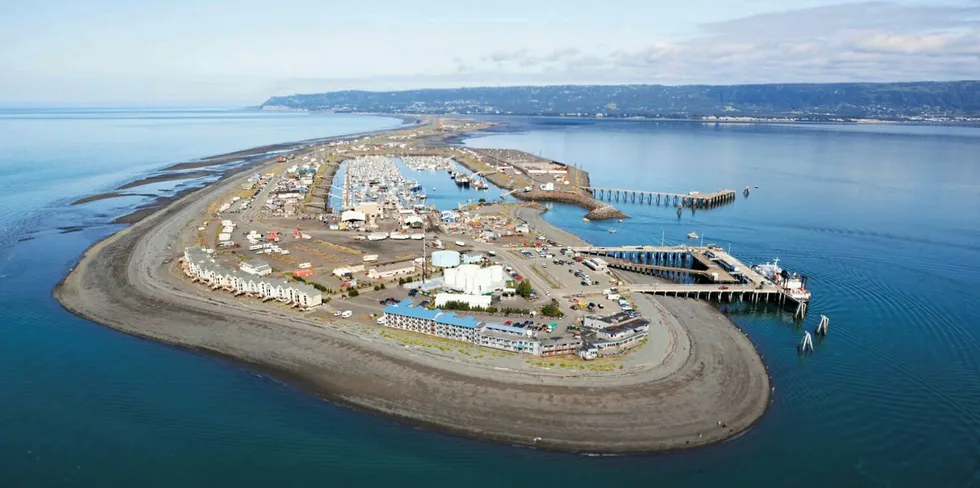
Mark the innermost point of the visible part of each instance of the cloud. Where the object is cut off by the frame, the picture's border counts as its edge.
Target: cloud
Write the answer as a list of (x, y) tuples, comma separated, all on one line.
[(868, 41)]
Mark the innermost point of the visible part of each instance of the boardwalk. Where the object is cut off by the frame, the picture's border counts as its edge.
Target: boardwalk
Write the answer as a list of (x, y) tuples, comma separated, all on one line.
[(694, 199)]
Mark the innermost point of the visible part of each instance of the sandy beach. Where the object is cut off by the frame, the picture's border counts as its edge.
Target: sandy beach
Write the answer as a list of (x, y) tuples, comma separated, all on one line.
[(710, 385)]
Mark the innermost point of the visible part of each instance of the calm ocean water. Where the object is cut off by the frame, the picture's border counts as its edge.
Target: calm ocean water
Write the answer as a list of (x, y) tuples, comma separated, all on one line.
[(884, 219)]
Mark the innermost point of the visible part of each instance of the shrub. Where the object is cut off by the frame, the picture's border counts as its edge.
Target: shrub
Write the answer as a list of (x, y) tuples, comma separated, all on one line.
[(376, 287), (353, 292)]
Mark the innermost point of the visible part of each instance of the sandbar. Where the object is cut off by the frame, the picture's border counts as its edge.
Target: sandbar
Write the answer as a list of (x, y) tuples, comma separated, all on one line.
[(710, 385)]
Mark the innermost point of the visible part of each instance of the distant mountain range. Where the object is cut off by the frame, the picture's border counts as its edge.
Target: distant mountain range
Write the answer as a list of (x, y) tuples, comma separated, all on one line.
[(940, 101)]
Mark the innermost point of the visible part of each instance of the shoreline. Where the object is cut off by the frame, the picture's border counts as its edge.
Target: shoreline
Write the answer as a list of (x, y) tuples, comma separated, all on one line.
[(126, 282)]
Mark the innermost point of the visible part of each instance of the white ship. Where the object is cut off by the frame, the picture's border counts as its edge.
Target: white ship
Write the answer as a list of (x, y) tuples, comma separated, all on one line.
[(692, 235)]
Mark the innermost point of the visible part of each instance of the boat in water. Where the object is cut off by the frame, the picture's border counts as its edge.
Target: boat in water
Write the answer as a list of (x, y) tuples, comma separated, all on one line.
[(612, 231), (585, 219), (692, 235), (793, 284), (745, 191)]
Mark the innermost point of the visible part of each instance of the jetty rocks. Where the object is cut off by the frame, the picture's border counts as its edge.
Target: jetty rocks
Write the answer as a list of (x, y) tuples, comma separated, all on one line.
[(597, 209)]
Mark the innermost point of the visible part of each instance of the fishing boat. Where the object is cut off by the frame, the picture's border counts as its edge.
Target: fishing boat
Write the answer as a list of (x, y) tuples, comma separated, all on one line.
[(620, 221), (692, 235), (585, 219), (792, 283), (612, 231)]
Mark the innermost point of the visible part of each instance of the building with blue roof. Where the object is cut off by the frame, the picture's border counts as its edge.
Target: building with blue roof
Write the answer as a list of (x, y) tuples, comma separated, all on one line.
[(405, 316)]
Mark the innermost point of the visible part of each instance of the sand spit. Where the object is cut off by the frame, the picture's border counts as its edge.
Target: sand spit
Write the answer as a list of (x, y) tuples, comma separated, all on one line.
[(106, 196), (164, 177), (712, 385)]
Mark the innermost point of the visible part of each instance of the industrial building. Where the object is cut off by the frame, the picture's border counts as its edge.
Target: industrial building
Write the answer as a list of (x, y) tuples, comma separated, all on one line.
[(391, 270), (474, 280), (445, 259)]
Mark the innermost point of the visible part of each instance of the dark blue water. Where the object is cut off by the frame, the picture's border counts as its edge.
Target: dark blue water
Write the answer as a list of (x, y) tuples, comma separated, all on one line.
[(884, 221)]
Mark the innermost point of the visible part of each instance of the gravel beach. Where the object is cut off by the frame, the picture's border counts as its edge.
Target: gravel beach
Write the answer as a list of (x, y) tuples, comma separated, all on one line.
[(710, 386)]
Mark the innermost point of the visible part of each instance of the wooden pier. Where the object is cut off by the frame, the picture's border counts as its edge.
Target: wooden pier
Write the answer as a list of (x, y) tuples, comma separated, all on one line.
[(693, 200), (729, 279)]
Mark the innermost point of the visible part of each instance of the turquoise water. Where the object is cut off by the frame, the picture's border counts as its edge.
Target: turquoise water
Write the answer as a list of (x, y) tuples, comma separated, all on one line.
[(884, 220)]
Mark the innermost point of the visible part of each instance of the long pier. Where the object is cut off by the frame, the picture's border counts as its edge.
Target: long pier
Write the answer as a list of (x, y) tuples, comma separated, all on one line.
[(728, 278), (693, 200)]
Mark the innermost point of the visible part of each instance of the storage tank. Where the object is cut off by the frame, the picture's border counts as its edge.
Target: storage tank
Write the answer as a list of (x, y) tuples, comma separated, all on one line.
[(445, 259)]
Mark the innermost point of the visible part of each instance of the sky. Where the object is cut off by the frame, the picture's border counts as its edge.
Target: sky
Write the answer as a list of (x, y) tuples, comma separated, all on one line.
[(222, 52)]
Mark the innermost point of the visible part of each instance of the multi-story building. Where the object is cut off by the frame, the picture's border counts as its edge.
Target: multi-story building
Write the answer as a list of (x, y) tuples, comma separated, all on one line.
[(199, 265), (466, 329)]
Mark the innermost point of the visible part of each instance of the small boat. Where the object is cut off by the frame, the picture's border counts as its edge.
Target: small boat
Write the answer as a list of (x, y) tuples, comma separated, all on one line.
[(620, 221), (585, 219), (692, 235), (612, 231)]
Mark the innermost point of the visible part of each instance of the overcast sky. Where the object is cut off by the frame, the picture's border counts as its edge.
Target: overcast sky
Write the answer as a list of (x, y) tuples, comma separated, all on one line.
[(241, 52)]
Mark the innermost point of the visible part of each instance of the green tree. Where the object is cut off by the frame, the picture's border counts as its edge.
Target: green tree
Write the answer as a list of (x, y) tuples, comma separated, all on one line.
[(353, 292), (552, 310), (524, 289)]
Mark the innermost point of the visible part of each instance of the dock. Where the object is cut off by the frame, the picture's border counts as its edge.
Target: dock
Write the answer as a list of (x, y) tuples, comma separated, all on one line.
[(693, 199), (717, 274)]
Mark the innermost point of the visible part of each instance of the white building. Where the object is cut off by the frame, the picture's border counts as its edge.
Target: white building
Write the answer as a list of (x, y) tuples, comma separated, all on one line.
[(199, 265), (391, 270), (256, 267), (474, 280)]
